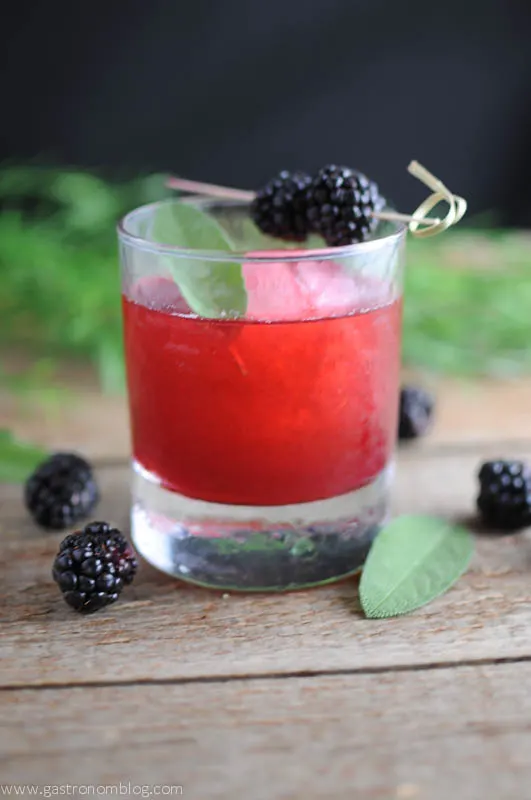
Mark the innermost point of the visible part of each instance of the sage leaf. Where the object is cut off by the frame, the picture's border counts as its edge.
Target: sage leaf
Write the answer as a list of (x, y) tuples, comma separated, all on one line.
[(413, 560), (212, 289), (17, 459)]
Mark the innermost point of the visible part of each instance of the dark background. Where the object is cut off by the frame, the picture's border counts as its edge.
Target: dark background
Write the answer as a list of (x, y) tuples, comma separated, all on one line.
[(232, 90)]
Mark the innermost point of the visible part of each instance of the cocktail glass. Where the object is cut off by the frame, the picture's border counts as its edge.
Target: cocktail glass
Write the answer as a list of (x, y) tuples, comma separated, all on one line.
[(262, 442)]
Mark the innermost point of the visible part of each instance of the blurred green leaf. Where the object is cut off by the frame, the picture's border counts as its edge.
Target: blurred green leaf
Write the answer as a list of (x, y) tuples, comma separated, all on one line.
[(17, 459), (89, 202)]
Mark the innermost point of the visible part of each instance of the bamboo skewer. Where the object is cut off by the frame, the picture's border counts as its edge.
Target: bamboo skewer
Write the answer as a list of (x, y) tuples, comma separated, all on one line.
[(430, 225)]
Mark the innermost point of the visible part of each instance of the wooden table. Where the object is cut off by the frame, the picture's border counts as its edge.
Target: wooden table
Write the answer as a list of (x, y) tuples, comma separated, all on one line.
[(266, 697)]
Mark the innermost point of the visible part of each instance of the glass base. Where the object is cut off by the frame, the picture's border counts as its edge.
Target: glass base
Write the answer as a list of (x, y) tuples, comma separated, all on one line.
[(256, 548)]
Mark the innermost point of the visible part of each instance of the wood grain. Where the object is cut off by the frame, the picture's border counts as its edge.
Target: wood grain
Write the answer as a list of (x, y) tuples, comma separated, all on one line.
[(424, 735), (162, 629)]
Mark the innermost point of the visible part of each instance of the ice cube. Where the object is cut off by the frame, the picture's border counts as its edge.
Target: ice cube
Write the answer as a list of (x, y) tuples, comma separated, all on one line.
[(159, 293), (295, 290)]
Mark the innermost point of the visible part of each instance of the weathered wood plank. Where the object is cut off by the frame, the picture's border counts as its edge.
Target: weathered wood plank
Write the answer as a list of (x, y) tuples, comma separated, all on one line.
[(424, 735), (162, 629)]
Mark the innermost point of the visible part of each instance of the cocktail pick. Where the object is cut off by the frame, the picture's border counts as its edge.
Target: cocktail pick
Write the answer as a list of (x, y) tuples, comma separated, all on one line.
[(419, 224)]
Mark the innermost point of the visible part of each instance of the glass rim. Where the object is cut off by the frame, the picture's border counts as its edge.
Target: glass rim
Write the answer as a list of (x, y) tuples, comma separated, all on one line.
[(240, 256)]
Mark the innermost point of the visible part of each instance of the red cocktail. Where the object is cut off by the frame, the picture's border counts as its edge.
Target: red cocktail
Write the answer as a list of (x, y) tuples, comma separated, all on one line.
[(259, 413), (262, 444)]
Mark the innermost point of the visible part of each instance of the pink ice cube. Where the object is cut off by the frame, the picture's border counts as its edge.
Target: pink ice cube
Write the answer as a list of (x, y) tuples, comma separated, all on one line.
[(160, 293), (295, 290)]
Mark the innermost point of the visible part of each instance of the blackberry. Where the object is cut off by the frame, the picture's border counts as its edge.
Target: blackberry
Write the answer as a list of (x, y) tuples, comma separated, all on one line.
[(415, 413), (340, 202), (504, 499), (61, 491), (279, 208), (92, 567)]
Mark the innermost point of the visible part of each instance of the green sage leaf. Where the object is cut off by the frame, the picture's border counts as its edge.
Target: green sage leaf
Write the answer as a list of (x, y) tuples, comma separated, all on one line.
[(17, 459), (212, 289), (413, 560)]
